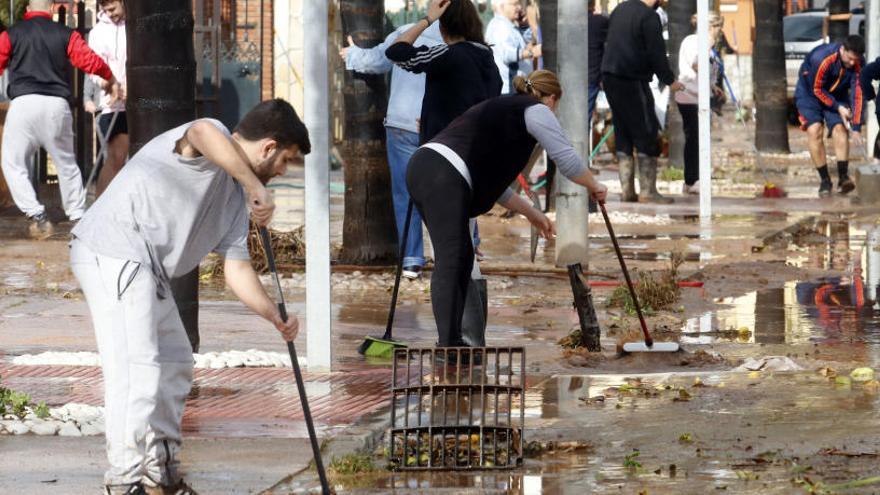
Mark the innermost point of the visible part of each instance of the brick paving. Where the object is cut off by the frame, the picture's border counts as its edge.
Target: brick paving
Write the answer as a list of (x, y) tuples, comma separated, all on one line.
[(231, 402)]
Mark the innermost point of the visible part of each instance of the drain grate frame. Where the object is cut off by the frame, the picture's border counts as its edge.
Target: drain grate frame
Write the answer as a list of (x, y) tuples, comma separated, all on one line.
[(457, 408)]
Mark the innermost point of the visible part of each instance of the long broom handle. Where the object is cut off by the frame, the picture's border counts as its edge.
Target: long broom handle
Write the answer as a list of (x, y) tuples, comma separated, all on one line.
[(632, 291), (402, 250), (300, 385)]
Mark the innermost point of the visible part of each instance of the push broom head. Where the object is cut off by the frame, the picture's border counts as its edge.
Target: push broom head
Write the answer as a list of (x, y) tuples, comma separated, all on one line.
[(632, 341), (379, 347), (656, 347)]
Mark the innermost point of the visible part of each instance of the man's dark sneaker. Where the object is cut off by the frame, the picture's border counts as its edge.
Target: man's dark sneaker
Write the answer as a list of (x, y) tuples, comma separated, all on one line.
[(41, 228), (412, 272), (133, 489), (181, 488), (825, 189), (846, 185)]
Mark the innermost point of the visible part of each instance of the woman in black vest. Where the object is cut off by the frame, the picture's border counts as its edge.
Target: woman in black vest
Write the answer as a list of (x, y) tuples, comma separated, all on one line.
[(464, 170)]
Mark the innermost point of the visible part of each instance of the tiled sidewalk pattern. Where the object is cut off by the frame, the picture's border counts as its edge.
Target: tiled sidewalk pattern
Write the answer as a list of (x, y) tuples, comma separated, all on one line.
[(231, 402)]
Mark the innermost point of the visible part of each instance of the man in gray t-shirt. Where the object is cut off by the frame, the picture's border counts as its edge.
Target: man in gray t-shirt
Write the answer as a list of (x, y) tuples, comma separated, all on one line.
[(185, 194)]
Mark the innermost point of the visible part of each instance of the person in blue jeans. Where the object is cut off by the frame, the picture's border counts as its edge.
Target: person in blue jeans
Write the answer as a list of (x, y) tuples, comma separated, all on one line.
[(401, 130)]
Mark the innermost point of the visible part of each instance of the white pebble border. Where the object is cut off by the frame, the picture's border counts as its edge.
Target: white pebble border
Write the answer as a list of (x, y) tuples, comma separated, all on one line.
[(618, 217), (251, 358), (69, 420), (676, 188), (360, 281), (626, 217)]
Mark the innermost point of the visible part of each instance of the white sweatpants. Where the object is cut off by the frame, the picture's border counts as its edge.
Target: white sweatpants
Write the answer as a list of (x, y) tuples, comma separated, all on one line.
[(35, 121), (147, 365)]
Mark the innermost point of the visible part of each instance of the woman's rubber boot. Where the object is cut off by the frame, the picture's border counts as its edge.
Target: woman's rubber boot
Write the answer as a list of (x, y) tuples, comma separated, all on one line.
[(627, 171), (648, 182), (476, 305)]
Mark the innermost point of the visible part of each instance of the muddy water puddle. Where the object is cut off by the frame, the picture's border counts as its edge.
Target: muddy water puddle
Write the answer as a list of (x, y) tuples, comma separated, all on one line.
[(831, 311), (758, 433), (841, 308)]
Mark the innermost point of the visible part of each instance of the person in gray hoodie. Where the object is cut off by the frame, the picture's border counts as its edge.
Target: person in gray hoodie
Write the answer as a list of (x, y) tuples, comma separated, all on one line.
[(401, 129)]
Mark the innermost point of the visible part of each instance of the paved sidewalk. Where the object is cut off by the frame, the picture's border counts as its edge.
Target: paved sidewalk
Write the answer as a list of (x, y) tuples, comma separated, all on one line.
[(243, 427)]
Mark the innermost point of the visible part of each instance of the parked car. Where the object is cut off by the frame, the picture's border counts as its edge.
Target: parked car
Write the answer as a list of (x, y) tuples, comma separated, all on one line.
[(801, 33)]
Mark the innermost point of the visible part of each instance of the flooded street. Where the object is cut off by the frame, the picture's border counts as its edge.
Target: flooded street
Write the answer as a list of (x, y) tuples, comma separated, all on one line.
[(794, 278)]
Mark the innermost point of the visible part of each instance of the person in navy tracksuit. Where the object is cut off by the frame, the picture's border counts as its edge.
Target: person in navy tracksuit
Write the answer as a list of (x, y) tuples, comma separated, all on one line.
[(871, 73), (829, 94)]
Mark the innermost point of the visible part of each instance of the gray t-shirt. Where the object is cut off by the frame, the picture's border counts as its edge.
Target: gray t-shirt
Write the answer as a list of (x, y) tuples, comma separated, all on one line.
[(168, 211)]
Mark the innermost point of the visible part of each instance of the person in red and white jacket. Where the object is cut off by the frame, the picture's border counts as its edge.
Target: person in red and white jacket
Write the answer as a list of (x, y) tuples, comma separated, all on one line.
[(107, 39), (39, 53)]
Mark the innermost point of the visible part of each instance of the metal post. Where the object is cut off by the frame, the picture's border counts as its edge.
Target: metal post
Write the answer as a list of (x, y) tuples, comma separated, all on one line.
[(873, 51), (572, 242), (317, 182), (872, 265), (703, 71)]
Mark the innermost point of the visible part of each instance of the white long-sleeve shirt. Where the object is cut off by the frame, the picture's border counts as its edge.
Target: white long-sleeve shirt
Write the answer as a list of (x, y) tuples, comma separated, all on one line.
[(507, 43), (107, 39), (687, 60), (407, 88)]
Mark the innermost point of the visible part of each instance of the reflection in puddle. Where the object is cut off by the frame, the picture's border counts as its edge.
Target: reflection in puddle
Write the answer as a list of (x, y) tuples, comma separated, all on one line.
[(833, 310)]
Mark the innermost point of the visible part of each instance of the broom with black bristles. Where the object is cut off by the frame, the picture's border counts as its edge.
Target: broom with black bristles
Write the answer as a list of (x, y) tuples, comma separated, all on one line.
[(384, 346)]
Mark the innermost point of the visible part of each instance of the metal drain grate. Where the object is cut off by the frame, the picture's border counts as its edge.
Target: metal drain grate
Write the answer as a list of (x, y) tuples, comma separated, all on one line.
[(457, 408)]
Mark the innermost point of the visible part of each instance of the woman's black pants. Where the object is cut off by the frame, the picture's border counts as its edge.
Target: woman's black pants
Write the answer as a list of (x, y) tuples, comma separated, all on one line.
[(691, 123), (443, 198)]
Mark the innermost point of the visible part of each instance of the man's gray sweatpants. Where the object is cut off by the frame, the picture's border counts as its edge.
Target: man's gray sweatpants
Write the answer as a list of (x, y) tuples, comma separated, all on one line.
[(32, 122), (147, 364)]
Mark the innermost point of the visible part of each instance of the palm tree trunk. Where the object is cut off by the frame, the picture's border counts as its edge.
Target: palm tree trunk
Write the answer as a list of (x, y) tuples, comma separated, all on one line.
[(368, 227), (768, 59), (161, 95), (680, 12), (547, 22), (548, 33)]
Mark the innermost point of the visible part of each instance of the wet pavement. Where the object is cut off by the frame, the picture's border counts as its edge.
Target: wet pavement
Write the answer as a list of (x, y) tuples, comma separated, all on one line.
[(794, 277)]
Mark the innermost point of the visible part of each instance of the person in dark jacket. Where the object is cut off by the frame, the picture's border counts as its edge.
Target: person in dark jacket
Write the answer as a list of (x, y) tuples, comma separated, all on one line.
[(597, 33), (634, 52), (829, 95), (459, 73), (871, 73), (39, 53), (466, 168)]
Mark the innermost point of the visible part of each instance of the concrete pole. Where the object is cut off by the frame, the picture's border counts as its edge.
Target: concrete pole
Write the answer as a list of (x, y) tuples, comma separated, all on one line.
[(872, 265), (873, 51), (572, 241), (703, 72), (317, 182)]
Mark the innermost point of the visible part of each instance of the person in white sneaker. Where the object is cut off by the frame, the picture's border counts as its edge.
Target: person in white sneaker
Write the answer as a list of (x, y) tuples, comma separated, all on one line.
[(185, 194), (686, 100)]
